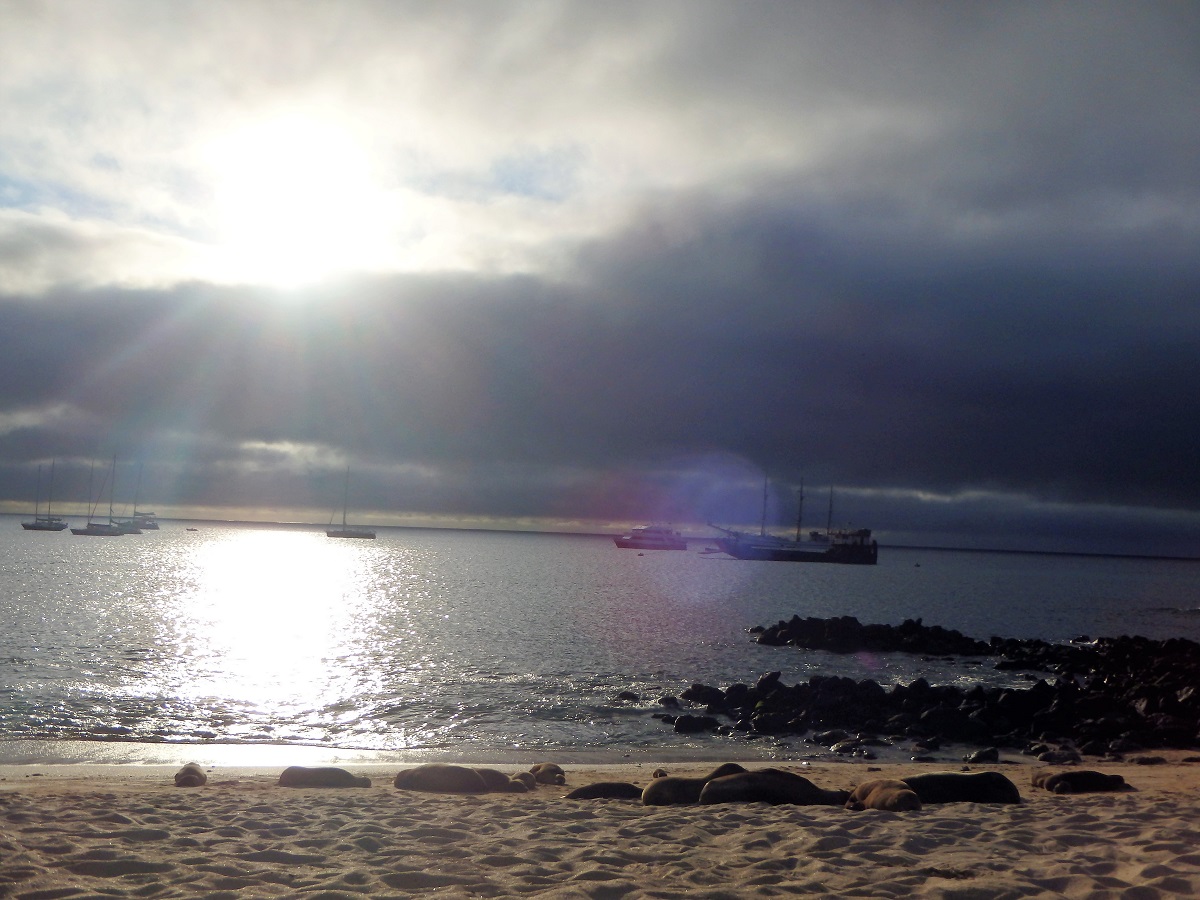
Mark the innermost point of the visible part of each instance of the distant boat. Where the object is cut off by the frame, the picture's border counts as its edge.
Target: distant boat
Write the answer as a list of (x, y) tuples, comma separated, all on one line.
[(346, 531), (840, 546), (46, 522), (652, 537), (100, 529), (139, 521), (852, 547)]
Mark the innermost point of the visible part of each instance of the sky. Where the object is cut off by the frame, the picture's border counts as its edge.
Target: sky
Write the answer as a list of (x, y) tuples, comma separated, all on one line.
[(574, 266)]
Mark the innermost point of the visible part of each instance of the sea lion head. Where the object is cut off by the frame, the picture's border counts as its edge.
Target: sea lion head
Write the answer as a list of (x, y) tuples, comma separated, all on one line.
[(190, 775), (548, 773)]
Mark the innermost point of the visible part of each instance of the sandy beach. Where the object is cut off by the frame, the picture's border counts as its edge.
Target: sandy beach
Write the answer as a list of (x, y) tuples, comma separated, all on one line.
[(127, 831)]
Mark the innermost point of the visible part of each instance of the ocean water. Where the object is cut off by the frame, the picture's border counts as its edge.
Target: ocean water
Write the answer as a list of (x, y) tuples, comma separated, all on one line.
[(477, 645)]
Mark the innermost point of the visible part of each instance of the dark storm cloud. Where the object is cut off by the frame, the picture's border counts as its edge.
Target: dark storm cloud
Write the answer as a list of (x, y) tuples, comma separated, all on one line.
[(867, 354), (893, 347)]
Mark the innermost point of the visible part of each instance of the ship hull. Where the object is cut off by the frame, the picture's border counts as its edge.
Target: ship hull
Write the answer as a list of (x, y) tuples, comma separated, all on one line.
[(857, 554)]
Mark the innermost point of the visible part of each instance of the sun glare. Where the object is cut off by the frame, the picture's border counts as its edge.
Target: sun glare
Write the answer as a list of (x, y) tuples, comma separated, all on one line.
[(274, 608), (295, 203)]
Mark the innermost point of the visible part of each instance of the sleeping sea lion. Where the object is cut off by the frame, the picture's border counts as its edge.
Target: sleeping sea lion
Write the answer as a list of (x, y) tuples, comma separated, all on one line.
[(442, 778), (321, 776), (495, 780), (527, 779), (548, 773), (672, 789), (963, 787), (606, 790), (887, 794), (769, 786), (190, 775), (1077, 781)]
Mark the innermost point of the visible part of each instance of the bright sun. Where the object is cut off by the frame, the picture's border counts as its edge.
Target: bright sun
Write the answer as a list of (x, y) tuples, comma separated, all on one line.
[(295, 203)]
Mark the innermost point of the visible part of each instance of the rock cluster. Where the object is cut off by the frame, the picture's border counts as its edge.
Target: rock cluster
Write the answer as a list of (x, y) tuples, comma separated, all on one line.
[(1109, 696), (845, 634)]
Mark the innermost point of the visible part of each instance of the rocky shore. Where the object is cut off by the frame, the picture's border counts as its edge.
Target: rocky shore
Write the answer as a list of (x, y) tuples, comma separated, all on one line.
[(1105, 697)]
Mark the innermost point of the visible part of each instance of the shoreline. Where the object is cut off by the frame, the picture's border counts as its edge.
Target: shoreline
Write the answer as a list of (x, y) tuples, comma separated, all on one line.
[(127, 831), (65, 754), (58, 753)]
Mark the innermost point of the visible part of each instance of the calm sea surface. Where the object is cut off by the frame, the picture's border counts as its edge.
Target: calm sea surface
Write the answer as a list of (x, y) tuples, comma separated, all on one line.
[(478, 645)]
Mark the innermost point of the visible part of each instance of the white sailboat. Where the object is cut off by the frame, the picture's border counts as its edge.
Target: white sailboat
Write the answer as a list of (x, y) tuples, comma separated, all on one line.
[(347, 531)]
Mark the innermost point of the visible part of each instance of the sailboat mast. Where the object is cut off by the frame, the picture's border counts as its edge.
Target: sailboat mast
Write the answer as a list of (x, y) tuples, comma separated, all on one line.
[(91, 477), (50, 490), (762, 526), (112, 489), (345, 497), (800, 510), (37, 497)]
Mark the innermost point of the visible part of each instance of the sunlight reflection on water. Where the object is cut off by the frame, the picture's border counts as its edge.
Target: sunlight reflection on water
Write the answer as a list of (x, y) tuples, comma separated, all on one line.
[(269, 612), (455, 642)]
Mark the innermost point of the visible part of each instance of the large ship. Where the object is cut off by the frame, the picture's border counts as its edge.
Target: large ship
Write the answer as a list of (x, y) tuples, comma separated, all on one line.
[(839, 546), (850, 546)]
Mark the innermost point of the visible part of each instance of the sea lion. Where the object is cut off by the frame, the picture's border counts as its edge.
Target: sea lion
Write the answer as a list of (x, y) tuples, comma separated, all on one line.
[(672, 789), (988, 755), (548, 773), (442, 778), (1077, 781), (774, 786), (321, 776), (606, 790), (495, 779), (190, 775), (884, 793), (527, 779), (963, 787)]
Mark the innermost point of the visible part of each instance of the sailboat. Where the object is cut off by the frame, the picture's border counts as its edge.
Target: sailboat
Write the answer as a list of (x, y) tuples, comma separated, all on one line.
[(46, 522), (346, 531), (100, 529), (139, 521), (854, 547)]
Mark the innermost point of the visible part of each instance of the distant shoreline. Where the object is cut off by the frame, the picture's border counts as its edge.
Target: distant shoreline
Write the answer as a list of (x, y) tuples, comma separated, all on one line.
[(691, 538)]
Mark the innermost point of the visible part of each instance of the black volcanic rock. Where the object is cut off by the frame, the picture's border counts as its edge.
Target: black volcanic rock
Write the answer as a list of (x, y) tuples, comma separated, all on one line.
[(1107, 695), (845, 634)]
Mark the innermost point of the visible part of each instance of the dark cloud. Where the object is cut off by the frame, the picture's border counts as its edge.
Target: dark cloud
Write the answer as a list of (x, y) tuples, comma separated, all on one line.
[(863, 355)]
